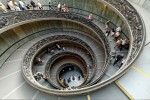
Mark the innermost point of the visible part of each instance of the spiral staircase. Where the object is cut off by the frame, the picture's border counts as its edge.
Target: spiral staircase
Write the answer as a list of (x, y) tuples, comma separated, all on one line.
[(29, 34)]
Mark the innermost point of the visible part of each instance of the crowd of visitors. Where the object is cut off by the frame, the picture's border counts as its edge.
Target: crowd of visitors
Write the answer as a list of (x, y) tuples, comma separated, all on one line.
[(72, 78), (120, 43), (38, 61), (62, 7), (13, 5), (38, 75)]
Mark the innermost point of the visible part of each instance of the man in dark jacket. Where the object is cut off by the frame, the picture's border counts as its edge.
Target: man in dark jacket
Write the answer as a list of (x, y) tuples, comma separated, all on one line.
[(33, 4), (118, 58)]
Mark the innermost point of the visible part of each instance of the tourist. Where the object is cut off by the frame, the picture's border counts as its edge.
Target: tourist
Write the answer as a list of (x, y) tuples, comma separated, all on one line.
[(38, 75), (69, 80), (22, 5), (73, 77), (107, 24), (39, 5), (26, 4), (58, 47), (59, 6), (66, 8), (39, 60), (45, 77), (90, 17), (107, 31), (33, 4), (89, 66), (126, 46), (51, 51), (118, 43), (50, 6), (116, 36), (123, 43), (63, 48), (78, 77), (3, 8), (118, 29), (63, 9), (112, 32), (16, 6), (118, 58), (10, 5)]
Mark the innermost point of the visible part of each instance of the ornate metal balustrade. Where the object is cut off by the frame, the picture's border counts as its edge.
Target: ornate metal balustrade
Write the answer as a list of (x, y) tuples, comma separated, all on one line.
[(13, 18), (29, 57), (130, 15), (82, 45)]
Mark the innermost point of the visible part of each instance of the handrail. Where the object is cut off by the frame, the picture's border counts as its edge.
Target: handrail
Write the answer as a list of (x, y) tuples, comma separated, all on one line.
[(28, 57), (21, 16), (90, 53), (97, 18), (39, 43)]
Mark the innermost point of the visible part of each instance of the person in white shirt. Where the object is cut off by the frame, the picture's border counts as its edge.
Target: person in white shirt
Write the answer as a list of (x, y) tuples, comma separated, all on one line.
[(118, 29), (39, 5), (59, 6), (58, 46)]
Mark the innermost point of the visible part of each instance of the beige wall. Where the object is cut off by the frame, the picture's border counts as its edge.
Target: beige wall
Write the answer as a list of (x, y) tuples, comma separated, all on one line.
[(143, 3)]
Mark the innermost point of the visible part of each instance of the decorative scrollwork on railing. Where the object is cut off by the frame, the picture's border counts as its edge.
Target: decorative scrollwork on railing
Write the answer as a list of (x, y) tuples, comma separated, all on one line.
[(29, 57), (4, 21), (18, 17)]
